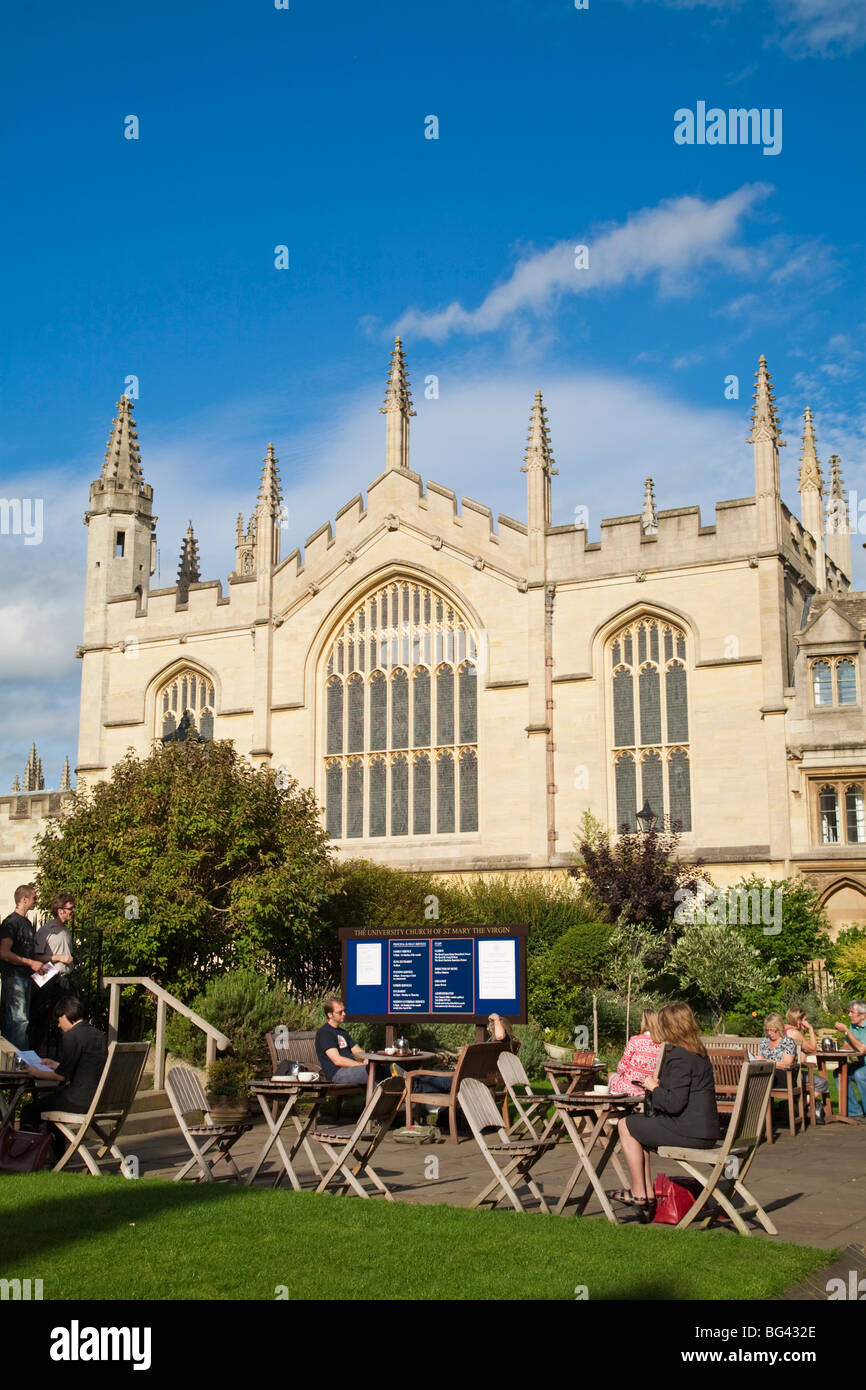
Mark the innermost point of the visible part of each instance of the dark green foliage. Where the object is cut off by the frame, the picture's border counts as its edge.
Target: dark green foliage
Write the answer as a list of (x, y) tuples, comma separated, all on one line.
[(575, 962), (228, 1077), (363, 894), (245, 1006), (193, 862), (637, 877)]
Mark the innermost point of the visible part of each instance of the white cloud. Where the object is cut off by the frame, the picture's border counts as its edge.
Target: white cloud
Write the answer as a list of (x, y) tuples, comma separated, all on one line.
[(669, 242), (805, 28), (821, 28)]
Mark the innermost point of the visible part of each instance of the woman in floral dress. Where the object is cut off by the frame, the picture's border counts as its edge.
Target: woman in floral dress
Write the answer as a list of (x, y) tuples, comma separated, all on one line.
[(639, 1059)]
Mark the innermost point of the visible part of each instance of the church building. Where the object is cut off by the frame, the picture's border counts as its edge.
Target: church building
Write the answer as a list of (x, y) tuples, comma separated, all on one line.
[(458, 690)]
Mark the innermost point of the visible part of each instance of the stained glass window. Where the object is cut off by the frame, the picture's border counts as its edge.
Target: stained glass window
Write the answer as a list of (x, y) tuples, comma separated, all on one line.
[(377, 713), (657, 683), (189, 693), (445, 794), (626, 793)]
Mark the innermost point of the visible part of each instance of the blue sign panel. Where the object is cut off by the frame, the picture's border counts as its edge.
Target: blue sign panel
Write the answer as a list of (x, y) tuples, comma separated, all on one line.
[(448, 975)]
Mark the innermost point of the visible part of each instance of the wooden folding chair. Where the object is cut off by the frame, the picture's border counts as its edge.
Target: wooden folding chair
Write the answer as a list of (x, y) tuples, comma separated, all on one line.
[(356, 1144), (114, 1095), (513, 1073), (730, 1161), (187, 1097), (485, 1122)]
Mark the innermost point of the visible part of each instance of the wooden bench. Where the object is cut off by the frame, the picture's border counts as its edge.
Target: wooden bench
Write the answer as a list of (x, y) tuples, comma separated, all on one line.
[(475, 1061)]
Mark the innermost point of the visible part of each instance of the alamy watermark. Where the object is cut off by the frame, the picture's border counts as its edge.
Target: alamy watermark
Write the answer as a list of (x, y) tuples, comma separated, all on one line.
[(737, 126), (748, 907), (22, 516)]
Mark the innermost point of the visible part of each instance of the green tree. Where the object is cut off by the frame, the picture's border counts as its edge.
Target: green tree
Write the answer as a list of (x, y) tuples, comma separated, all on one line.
[(193, 862), (713, 960), (630, 964), (803, 930)]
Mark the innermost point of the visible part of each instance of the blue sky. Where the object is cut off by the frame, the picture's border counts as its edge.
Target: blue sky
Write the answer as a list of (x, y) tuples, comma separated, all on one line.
[(305, 127)]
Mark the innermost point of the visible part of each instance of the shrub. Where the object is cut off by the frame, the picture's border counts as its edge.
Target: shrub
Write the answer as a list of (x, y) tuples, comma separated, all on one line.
[(803, 934), (574, 962), (532, 1052), (242, 1005), (715, 961), (229, 1077), (637, 878), (850, 967)]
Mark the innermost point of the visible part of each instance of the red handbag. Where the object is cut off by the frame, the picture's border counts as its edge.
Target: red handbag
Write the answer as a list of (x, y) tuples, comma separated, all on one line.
[(23, 1150), (674, 1197)]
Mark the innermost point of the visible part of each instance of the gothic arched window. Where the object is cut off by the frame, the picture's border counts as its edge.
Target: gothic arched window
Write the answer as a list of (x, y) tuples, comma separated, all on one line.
[(189, 697), (401, 718), (650, 718)]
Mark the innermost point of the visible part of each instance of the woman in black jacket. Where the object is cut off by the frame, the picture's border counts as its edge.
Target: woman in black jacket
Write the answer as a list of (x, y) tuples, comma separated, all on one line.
[(683, 1102)]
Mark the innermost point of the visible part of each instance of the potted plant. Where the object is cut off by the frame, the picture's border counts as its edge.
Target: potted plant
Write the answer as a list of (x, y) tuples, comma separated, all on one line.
[(558, 1044), (228, 1090)]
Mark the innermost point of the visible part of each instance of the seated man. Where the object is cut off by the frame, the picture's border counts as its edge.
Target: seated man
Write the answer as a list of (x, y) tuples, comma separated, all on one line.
[(855, 1038), (343, 1061), (83, 1050)]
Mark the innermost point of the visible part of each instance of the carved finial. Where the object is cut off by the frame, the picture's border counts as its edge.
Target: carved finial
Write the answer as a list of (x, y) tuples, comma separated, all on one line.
[(65, 777), (810, 468), (398, 396), (270, 492), (836, 483), (122, 458), (649, 520), (188, 570), (765, 420), (538, 451), (16, 785), (398, 410)]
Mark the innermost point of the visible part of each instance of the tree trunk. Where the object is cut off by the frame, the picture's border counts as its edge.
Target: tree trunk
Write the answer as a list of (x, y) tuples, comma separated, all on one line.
[(628, 1009), (595, 1025)]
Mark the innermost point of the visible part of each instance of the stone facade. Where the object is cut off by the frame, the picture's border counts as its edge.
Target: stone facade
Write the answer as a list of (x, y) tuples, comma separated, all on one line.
[(458, 691)]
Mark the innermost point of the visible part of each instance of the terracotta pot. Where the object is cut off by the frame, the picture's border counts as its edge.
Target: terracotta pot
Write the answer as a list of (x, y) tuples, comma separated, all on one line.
[(227, 1110)]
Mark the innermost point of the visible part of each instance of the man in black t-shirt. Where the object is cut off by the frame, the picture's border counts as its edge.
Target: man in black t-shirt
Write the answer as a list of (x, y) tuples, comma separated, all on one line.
[(83, 1050), (342, 1060)]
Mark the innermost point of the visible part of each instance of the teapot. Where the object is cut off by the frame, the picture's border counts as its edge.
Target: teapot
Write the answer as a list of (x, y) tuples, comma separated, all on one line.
[(402, 1046), (829, 1044)]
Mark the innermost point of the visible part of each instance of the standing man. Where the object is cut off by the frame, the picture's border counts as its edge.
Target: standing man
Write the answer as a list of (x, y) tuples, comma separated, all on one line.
[(343, 1061), (855, 1037), (19, 961), (53, 941)]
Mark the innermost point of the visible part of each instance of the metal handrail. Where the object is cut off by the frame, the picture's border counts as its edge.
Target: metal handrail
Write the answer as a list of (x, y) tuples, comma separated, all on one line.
[(164, 1001)]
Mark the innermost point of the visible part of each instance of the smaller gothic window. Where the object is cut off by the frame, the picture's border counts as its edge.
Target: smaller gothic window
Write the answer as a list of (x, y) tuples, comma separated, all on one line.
[(822, 683), (854, 815), (846, 683), (828, 808)]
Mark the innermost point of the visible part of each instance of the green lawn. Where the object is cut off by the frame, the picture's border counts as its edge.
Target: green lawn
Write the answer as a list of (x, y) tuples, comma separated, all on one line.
[(89, 1238)]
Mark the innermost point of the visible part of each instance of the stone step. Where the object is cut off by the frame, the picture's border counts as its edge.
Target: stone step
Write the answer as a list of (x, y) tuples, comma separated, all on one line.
[(149, 1100), (148, 1122)]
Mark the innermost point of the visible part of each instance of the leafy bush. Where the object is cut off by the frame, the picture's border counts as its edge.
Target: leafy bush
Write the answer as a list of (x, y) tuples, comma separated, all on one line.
[(574, 962), (637, 878), (229, 1077), (245, 1007), (803, 934), (850, 967), (611, 1012), (532, 1052), (713, 960)]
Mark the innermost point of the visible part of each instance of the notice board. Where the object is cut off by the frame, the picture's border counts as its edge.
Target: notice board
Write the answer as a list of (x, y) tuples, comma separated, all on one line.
[(453, 974)]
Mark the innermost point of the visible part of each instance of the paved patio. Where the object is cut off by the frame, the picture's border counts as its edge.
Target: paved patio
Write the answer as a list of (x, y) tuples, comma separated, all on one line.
[(813, 1185)]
